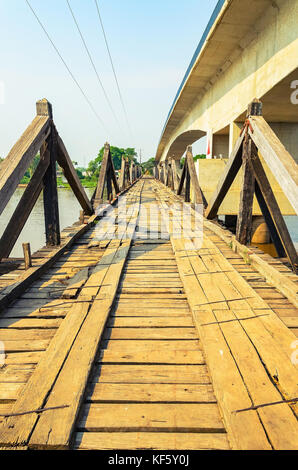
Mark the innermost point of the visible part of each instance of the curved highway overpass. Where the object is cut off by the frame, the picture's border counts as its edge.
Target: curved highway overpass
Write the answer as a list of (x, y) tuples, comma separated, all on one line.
[(248, 50)]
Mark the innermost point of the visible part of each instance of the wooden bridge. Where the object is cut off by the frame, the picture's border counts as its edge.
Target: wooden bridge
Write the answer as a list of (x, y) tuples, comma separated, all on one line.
[(145, 325)]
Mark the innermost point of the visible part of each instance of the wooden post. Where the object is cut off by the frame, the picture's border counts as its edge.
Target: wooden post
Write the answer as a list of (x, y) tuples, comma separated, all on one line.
[(244, 221), (122, 174), (50, 194), (187, 183), (269, 206), (82, 217), (175, 173), (27, 255)]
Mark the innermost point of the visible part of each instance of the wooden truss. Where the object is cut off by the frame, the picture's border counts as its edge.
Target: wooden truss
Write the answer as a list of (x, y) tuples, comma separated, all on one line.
[(41, 135), (257, 136), (107, 179)]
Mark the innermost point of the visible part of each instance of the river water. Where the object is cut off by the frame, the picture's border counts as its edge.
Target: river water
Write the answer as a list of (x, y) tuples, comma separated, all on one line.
[(69, 211), (34, 230)]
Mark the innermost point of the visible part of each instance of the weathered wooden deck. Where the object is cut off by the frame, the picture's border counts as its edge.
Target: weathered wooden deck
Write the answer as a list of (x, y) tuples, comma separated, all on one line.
[(134, 343)]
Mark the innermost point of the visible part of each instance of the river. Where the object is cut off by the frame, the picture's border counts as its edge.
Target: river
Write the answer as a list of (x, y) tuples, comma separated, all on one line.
[(69, 210), (34, 230)]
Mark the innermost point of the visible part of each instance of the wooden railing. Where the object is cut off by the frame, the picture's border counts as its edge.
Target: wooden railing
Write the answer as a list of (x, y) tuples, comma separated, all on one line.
[(42, 136), (256, 137), (108, 182)]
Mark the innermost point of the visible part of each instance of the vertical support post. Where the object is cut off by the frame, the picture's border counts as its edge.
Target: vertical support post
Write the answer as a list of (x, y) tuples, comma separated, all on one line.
[(244, 221), (122, 174), (187, 183), (82, 217), (50, 193), (209, 149), (27, 255)]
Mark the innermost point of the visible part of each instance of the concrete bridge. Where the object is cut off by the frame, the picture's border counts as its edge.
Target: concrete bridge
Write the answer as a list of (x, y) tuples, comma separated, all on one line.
[(161, 329), (248, 50)]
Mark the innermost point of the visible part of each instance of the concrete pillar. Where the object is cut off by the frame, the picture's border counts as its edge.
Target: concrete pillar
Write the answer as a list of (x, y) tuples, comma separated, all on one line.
[(235, 129), (260, 232), (287, 132), (220, 146), (209, 148)]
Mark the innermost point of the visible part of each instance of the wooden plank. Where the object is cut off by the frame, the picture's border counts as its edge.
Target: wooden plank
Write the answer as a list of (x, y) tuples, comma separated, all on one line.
[(141, 418), (150, 333), (13, 168), (148, 322), (25, 345), (150, 393), (150, 441), (15, 431), (23, 357), (54, 429), (245, 430), (226, 180), (71, 175), (153, 356), (9, 392), (278, 159), (124, 373), (278, 421)]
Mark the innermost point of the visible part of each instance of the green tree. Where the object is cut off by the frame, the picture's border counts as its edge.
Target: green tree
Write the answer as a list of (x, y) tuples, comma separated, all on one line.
[(117, 153), (149, 165)]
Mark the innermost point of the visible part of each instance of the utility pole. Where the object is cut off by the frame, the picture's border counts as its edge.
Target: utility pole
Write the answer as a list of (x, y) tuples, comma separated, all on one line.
[(140, 154)]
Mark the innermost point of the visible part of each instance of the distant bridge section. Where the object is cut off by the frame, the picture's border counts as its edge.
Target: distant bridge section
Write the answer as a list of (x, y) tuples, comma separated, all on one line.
[(248, 50)]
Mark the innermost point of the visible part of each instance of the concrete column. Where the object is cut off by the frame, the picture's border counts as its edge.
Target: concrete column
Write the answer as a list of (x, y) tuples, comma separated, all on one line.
[(209, 148), (260, 232), (220, 146), (235, 129)]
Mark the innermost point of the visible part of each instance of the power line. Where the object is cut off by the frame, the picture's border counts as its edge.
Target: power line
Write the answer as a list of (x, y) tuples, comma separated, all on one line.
[(91, 60), (67, 67), (113, 68)]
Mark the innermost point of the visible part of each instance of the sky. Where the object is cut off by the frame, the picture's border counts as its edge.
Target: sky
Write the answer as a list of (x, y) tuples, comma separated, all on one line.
[(151, 43)]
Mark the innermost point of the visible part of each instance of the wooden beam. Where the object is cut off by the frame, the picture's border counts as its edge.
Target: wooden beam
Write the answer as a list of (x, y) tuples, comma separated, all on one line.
[(275, 213), (113, 175), (13, 168), (269, 221), (175, 164), (183, 175), (24, 207), (244, 220), (27, 255), (226, 180), (281, 164), (50, 194), (102, 177), (71, 175), (187, 183), (122, 174), (199, 197)]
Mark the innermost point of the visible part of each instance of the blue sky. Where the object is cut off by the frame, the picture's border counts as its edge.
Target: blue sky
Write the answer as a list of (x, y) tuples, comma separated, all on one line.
[(151, 41)]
